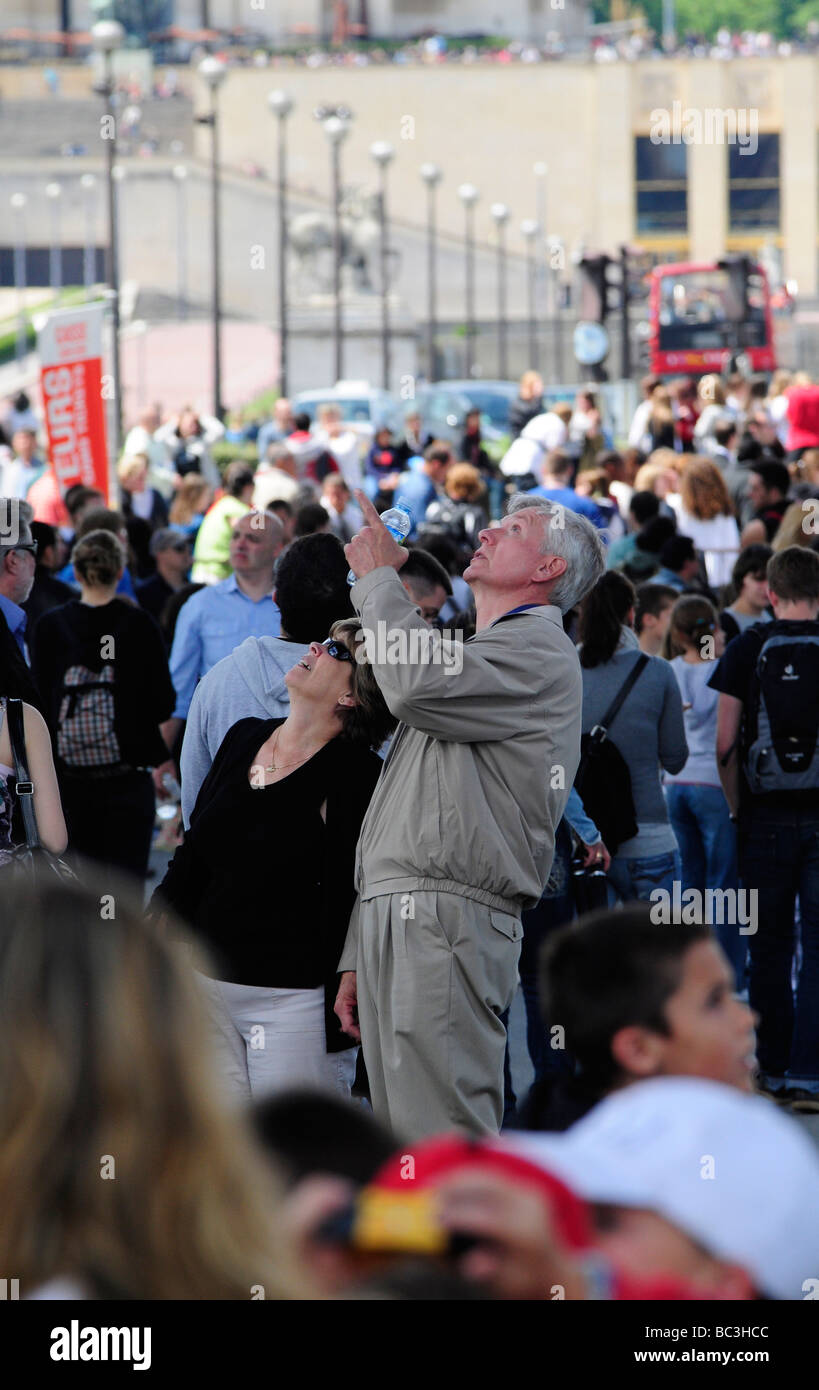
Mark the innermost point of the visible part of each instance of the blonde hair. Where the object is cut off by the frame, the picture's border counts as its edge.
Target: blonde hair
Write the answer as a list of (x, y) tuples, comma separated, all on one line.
[(99, 559), (780, 381), (649, 474), (131, 465), (120, 1164), (702, 489), (192, 497), (791, 529), (464, 483), (712, 390)]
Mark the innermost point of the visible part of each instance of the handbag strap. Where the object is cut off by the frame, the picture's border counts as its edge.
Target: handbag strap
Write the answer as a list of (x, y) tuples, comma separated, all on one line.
[(617, 703), (25, 786)]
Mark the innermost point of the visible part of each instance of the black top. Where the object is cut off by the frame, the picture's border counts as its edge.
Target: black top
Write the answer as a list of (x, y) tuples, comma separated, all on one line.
[(16, 679), (47, 592), (144, 696), (152, 595), (264, 881), (733, 676)]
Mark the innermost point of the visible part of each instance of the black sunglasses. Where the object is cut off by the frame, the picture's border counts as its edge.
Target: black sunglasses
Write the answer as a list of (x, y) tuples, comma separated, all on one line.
[(337, 649), (32, 546)]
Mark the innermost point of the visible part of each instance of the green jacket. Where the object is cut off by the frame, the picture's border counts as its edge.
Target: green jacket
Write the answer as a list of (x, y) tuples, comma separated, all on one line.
[(211, 554)]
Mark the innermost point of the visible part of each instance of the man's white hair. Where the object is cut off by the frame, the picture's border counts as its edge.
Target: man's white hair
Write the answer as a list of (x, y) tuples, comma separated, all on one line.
[(571, 536)]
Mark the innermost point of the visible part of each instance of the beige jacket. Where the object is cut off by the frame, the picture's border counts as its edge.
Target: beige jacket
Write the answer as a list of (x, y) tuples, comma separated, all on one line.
[(481, 765)]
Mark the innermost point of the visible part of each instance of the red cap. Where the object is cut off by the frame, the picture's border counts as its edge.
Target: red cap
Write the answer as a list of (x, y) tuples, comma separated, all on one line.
[(437, 1158)]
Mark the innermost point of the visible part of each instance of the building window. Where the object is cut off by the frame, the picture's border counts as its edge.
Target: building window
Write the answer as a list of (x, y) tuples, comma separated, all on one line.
[(753, 185), (662, 186)]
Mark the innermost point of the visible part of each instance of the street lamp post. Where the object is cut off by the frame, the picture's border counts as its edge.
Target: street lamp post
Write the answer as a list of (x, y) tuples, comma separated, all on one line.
[(469, 195), (540, 171), (431, 175), (383, 153), (180, 174), (18, 203), (213, 72), (107, 36), (529, 231), (88, 184), (336, 129), (500, 215), (281, 105), (55, 258)]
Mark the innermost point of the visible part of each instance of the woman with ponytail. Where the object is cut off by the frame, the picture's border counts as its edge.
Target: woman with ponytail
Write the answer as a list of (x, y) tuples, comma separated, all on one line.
[(647, 731)]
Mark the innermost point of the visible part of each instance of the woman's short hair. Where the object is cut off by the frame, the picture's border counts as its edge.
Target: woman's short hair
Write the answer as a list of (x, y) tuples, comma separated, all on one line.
[(130, 466), (369, 721), (464, 483), (99, 558)]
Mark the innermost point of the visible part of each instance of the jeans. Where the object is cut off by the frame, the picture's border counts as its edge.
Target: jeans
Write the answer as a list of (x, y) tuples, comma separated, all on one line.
[(708, 849), (634, 880), (779, 858), (556, 907), (539, 923)]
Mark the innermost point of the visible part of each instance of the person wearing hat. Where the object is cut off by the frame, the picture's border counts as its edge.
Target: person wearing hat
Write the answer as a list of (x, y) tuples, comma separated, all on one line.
[(729, 1172), (172, 552)]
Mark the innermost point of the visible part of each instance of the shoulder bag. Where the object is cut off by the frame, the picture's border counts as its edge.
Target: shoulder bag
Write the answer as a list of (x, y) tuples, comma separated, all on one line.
[(32, 858)]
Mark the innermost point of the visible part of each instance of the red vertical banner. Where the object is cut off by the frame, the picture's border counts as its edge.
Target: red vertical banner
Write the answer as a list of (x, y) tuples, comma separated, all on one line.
[(70, 350)]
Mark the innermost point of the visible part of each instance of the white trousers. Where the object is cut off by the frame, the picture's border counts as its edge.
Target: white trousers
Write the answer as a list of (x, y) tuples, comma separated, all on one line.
[(270, 1040)]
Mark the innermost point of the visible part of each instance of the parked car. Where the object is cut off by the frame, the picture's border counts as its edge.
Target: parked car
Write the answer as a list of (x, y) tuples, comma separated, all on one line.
[(365, 408), (444, 406)]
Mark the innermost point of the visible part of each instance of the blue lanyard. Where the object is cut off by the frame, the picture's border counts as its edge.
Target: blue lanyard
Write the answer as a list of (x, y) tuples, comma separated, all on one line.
[(520, 609)]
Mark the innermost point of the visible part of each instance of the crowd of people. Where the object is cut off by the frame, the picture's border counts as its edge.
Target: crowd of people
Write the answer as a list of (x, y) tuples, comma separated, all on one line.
[(565, 738)]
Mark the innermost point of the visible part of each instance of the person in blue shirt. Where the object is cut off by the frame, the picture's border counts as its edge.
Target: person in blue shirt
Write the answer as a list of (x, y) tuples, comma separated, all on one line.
[(556, 474), (18, 558), (420, 486), (217, 619)]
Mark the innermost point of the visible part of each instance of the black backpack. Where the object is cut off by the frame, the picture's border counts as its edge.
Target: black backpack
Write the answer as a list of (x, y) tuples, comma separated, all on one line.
[(781, 726), (603, 780)]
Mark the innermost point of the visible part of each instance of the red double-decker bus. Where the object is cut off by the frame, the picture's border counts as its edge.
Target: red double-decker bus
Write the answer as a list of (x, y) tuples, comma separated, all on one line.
[(701, 315)]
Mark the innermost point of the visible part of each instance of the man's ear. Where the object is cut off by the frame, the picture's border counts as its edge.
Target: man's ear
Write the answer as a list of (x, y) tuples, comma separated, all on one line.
[(637, 1051), (550, 569)]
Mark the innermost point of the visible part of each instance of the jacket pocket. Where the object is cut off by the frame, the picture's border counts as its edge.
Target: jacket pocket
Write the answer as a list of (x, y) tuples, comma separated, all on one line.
[(505, 923)]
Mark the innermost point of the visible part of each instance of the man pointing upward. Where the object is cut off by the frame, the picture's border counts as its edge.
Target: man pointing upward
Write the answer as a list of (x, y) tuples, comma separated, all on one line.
[(459, 836)]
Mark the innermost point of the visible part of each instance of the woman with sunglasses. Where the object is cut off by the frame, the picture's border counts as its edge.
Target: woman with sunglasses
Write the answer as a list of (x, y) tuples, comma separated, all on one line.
[(265, 875)]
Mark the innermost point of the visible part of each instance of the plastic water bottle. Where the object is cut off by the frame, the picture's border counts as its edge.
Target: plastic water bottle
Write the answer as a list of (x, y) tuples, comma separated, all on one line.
[(398, 521)]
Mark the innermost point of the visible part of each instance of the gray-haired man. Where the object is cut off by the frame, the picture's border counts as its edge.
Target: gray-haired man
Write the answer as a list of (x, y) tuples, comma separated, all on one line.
[(459, 836)]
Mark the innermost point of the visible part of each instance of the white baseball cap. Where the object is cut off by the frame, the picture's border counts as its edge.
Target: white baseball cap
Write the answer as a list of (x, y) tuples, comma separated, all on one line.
[(731, 1170)]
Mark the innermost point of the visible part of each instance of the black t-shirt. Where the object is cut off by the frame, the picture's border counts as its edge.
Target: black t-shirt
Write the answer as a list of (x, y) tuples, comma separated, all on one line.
[(152, 595), (263, 879), (733, 676), (144, 697)]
